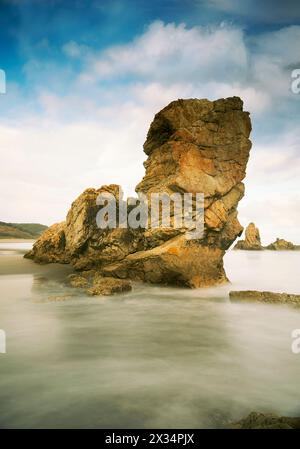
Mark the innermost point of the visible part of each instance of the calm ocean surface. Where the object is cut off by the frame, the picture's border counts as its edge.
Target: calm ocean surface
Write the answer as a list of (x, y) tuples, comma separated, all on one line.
[(155, 357)]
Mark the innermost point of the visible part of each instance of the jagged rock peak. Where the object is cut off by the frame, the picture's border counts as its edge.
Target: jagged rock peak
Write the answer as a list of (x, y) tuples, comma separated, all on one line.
[(252, 239)]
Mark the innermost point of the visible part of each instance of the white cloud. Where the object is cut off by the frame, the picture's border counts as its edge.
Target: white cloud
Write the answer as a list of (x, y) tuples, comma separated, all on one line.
[(206, 62), (278, 45), (170, 53), (276, 161), (48, 165), (211, 61), (272, 198)]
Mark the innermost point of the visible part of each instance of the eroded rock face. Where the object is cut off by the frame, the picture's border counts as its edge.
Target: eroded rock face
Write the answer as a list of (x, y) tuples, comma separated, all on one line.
[(252, 239), (193, 146), (51, 246)]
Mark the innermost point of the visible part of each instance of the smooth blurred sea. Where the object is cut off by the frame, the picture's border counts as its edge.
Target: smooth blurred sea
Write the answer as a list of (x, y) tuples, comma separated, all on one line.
[(156, 357)]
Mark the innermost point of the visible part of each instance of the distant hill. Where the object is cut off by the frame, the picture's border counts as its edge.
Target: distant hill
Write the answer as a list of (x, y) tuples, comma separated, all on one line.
[(21, 230)]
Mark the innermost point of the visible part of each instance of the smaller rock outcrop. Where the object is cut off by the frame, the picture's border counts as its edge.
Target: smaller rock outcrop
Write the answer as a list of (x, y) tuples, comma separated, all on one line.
[(252, 239), (109, 286), (267, 421), (78, 281), (266, 297), (252, 242), (50, 247), (97, 285), (281, 245)]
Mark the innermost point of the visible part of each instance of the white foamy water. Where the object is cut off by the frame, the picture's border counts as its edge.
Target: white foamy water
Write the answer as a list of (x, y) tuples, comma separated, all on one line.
[(15, 246), (154, 357), (12, 248)]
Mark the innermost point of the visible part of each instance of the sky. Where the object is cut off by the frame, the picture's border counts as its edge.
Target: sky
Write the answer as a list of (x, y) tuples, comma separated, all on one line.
[(85, 78)]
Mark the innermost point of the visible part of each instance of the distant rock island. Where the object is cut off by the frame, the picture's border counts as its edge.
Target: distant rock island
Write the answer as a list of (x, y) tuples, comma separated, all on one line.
[(252, 239), (282, 245), (192, 146), (21, 230), (252, 242)]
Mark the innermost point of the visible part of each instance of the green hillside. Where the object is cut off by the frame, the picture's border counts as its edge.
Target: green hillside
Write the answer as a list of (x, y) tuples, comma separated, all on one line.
[(21, 230)]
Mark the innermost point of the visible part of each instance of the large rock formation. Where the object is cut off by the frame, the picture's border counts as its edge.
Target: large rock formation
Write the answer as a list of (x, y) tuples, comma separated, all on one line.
[(193, 146), (252, 239)]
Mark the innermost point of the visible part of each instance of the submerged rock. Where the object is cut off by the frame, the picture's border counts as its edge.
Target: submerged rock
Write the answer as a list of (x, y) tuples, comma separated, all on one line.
[(193, 146), (252, 239), (109, 286), (267, 297), (95, 284), (267, 421), (77, 281), (281, 245)]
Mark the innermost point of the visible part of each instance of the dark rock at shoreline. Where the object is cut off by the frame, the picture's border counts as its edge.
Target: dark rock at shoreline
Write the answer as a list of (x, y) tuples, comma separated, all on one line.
[(267, 421), (266, 297), (109, 286), (193, 146), (97, 285), (78, 281), (50, 247)]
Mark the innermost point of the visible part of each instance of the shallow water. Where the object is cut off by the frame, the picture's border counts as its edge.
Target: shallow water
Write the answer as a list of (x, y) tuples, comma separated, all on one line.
[(154, 357)]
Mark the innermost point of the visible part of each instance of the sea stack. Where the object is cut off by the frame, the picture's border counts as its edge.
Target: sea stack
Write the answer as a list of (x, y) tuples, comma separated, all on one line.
[(193, 146), (252, 239)]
